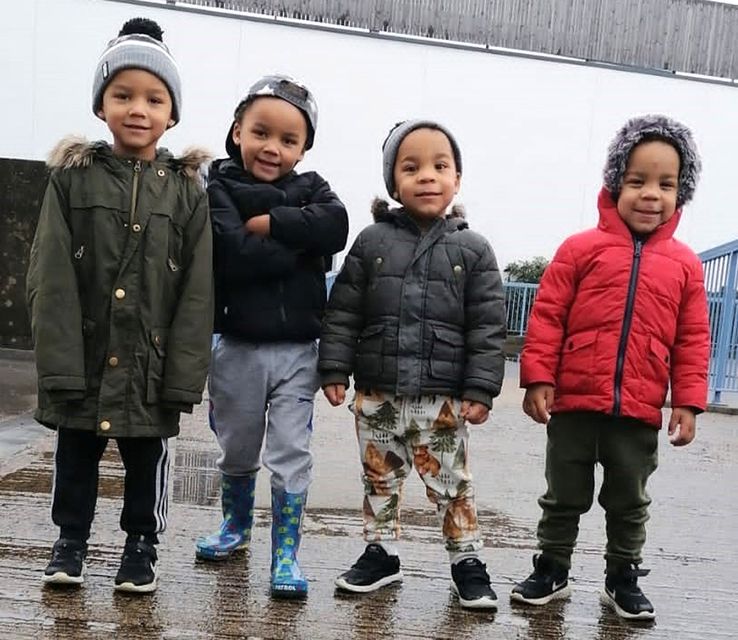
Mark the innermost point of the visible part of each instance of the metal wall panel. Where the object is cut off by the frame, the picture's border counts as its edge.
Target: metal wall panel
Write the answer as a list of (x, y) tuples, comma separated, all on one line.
[(688, 36)]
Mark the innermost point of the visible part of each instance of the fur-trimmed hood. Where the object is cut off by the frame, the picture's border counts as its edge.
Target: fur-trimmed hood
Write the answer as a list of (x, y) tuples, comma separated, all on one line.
[(75, 151), (383, 212), (653, 127)]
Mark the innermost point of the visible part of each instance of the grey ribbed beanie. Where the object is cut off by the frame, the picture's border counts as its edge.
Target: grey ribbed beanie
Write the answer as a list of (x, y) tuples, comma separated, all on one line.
[(394, 139), (137, 51), (653, 127)]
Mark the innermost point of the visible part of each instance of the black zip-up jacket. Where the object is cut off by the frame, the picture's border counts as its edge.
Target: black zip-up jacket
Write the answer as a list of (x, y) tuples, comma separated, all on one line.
[(272, 288), (416, 314)]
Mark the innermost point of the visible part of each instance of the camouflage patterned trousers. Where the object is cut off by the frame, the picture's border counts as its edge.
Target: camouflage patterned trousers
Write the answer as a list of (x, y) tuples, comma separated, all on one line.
[(396, 432)]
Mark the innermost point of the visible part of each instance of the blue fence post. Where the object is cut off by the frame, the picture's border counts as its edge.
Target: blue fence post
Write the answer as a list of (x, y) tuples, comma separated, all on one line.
[(723, 341), (721, 285), (519, 297)]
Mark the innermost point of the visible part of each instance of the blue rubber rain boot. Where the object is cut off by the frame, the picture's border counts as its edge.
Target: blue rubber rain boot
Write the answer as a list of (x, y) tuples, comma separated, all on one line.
[(287, 578), (238, 517)]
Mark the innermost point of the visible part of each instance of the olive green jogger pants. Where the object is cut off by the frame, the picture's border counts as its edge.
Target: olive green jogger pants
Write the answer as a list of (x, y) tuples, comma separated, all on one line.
[(627, 449)]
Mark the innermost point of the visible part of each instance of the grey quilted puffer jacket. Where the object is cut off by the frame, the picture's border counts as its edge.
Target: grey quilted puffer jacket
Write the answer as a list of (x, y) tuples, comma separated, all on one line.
[(417, 314)]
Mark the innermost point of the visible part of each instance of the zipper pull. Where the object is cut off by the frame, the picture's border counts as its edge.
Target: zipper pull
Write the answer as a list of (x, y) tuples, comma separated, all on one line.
[(638, 247), (80, 252), (172, 265), (137, 167)]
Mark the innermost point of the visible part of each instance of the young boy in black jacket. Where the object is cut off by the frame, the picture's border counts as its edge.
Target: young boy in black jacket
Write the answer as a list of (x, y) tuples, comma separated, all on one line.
[(274, 232)]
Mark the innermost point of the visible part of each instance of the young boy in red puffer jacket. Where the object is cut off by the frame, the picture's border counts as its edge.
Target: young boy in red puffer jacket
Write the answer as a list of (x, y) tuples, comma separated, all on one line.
[(621, 312)]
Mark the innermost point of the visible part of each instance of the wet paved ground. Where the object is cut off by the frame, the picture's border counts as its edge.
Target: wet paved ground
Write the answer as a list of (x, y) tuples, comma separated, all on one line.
[(691, 546)]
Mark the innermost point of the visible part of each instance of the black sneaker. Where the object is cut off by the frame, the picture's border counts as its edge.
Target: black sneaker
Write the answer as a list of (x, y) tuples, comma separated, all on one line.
[(67, 566), (624, 596), (549, 581), (137, 572), (471, 584), (374, 569)]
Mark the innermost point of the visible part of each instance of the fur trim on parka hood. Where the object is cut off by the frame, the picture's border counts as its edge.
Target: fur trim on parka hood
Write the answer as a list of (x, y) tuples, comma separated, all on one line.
[(75, 151), (382, 212), (653, 127)]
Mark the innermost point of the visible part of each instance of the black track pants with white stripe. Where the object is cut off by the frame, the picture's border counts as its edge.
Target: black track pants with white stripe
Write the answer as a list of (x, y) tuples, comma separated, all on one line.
[(74, 494)]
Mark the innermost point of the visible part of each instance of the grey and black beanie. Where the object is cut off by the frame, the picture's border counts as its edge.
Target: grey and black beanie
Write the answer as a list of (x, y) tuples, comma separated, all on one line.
[(138, 46), (653, 127), (394, 139)]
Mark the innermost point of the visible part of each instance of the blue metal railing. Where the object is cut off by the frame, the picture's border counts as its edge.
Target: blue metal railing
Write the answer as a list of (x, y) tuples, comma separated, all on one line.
[(519, 298), (721, 283), (330, 278)]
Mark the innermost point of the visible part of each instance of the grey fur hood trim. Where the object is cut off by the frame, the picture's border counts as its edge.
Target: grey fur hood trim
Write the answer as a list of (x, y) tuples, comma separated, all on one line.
[(75, 151), (653, 126), (382, 212)]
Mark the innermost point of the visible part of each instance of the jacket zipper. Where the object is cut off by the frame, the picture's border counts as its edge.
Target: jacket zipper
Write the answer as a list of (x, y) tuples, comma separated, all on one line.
[(134, 194), (627, 321), (281, 302)]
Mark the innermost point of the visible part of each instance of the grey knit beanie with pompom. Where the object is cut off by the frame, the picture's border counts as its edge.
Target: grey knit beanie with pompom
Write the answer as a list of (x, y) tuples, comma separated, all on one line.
[(139, 45), (653, 127)]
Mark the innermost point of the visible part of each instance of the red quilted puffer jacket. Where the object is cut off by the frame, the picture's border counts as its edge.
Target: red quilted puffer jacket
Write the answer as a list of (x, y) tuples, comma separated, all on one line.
[(616, 319)]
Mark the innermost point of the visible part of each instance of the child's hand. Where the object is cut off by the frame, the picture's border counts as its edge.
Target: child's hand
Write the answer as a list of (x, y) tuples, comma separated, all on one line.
[(474, 412), (336, 393), (538, 401), (682, 425), (258, 225)]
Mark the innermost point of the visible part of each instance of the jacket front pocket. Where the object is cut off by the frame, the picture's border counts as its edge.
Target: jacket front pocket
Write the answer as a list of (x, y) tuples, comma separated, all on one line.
[(447, 354), (157, 358), (167, 236), (369, 351), (655, 376), (577, 365)]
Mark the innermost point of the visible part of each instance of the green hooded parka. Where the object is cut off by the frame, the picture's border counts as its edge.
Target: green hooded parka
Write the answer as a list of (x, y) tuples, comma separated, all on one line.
[(120, 291)]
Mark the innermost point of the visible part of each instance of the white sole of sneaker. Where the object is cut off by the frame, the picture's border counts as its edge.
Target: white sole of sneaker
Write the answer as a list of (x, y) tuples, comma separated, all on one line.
[(609, 601), (341, 583), (61, 578), (129, 587), (561, 594), (481, 603)]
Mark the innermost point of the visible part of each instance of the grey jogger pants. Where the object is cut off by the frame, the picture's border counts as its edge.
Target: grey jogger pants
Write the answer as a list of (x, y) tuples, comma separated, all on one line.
[(263, 393)]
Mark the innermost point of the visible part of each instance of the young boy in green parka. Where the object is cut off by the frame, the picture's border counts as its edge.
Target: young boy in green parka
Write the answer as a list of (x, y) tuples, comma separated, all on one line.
[(120, 296)]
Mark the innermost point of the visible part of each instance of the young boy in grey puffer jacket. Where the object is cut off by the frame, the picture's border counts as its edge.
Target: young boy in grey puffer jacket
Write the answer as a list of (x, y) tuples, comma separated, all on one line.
[(417, 316)]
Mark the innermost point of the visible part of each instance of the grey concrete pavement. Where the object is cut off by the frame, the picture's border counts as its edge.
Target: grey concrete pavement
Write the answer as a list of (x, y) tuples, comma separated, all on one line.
[(691, 548), (17, 382)]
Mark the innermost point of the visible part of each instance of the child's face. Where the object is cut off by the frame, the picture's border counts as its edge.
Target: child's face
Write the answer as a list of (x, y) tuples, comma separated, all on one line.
[(650, 184), (425, 174), (137, 108), (272, 135)]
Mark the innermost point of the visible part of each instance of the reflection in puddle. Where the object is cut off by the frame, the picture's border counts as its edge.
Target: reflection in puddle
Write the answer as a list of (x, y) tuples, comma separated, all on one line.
[(196, 480)]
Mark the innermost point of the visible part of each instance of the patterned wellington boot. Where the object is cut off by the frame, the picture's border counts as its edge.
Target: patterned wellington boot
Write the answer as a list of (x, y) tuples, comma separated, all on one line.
[(287, 578), (238, 517)]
